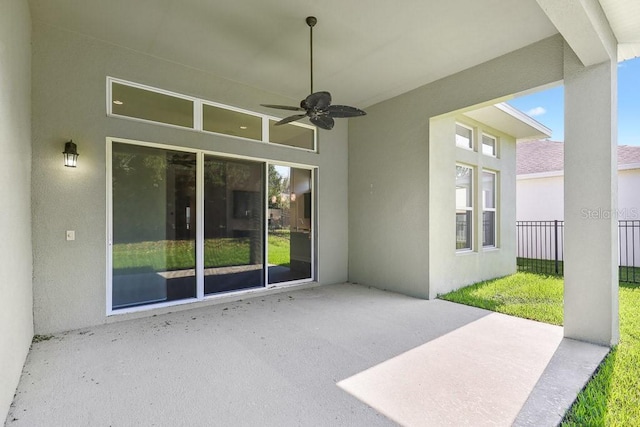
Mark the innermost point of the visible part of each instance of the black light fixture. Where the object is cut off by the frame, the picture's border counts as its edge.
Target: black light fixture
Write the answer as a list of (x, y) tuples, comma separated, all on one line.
[(70, 154)]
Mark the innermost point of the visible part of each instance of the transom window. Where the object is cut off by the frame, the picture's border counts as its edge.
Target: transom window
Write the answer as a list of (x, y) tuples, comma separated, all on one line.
[(489, 145), (229, 122), (158, 107), (139, 102), (464, 137)]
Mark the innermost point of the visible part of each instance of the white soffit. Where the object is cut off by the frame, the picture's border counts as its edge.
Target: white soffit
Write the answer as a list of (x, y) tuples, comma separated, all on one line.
[(624, 18), (585, 27), (597, 30), (511, 121)]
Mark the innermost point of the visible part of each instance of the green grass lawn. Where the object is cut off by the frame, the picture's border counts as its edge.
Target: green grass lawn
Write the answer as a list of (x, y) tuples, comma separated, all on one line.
[(527, 295), (626, 273), (280, 247), (612, 397), (169, 255)]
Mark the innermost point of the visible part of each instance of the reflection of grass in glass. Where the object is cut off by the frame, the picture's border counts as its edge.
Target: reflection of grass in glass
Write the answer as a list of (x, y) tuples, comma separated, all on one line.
[(167, 255), (279, 247), (226, 251)]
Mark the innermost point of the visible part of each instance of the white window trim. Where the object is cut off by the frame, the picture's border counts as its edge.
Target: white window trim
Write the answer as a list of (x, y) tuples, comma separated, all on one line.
[(198, 112), (111, 80), (200, 296), (494, 210), (469, 208), (495, 145), (473, 133)]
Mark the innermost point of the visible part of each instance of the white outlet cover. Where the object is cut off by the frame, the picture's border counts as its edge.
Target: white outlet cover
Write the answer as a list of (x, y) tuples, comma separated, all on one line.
[(71, 235)]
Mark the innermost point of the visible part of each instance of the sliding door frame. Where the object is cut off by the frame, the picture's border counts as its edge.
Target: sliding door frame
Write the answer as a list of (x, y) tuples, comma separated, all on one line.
[(313, 171), (200, 154)]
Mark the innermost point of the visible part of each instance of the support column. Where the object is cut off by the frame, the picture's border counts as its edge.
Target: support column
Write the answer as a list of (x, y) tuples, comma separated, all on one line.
[(590, 201)]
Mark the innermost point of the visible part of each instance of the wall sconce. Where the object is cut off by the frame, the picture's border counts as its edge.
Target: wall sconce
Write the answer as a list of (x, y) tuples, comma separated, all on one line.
[(70, 154), (293, 197)]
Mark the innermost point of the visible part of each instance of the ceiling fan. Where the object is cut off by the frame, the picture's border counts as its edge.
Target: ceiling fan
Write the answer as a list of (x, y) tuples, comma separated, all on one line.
[(317, 106)]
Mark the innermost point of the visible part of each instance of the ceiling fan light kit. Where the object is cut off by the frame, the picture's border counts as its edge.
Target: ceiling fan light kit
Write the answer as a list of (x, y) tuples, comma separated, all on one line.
[(317, 106)]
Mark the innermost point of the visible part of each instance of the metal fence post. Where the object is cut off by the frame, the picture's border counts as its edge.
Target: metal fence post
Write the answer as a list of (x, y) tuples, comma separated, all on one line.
[(555, 232)]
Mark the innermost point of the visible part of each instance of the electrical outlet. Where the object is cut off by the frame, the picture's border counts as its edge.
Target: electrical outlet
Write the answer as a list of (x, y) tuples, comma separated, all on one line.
[(71, 235)]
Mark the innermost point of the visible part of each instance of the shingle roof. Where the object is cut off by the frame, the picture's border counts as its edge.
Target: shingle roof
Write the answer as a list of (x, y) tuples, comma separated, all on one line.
[(547, 156)]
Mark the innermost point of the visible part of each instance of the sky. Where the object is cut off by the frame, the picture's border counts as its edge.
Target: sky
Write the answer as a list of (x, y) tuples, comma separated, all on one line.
[(547, 106)]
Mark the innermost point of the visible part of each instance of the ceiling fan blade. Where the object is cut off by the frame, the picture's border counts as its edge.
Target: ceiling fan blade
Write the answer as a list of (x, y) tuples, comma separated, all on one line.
[(324, 122), (318, 100), (344, 111), (291, 119), (283, 107)]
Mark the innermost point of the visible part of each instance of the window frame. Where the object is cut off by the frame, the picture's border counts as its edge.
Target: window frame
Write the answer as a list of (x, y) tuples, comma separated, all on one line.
[(264, 138), (495, 145), (110, 100), (469, 210), (198, 115), (471, 139), (494, 209), (200, 295)]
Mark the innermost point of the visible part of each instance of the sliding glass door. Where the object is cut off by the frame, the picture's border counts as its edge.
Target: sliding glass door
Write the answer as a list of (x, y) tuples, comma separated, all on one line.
[(187, 225), (153, 225), (290, 224), (233, 224)]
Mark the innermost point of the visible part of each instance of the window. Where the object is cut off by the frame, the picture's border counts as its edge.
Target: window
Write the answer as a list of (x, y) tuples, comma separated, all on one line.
[(489, 145), (145, 104), (488, 209), (464, 207), (135, 101), (464, 137), (230, 122), (291, 134)]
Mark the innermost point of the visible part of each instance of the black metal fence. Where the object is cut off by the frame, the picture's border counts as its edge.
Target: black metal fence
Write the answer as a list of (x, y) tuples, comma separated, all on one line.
[(629, 253), (540, 248)]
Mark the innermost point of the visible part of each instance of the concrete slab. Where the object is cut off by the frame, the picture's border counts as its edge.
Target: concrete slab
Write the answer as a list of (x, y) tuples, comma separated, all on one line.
[(331, 355)]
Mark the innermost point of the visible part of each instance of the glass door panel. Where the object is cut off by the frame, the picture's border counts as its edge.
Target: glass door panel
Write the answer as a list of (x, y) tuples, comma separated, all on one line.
[(154, 201), (290, 225), (233, 224)]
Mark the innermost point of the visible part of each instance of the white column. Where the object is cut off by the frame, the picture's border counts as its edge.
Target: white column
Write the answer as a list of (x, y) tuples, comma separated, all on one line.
[(590, 201)]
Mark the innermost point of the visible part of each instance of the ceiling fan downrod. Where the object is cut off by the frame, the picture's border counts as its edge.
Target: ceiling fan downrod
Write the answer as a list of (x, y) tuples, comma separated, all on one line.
[(311, 22)]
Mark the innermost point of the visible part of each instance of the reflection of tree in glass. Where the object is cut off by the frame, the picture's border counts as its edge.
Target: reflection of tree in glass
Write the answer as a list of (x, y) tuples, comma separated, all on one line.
[(222, 173), (462, 172), (278, 185), (141, 180)]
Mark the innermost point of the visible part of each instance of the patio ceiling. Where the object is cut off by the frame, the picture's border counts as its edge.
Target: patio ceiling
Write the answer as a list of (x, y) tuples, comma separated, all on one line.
[(364, 52)]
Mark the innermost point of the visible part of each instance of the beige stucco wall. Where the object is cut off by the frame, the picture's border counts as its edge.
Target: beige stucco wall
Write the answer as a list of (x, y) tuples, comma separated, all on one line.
[(389, 160), (69, 86), (450, 269), (16, 298)]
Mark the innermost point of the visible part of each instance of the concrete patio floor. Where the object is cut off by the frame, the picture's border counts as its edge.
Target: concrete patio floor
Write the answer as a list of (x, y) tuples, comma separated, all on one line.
[(331, 355)]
